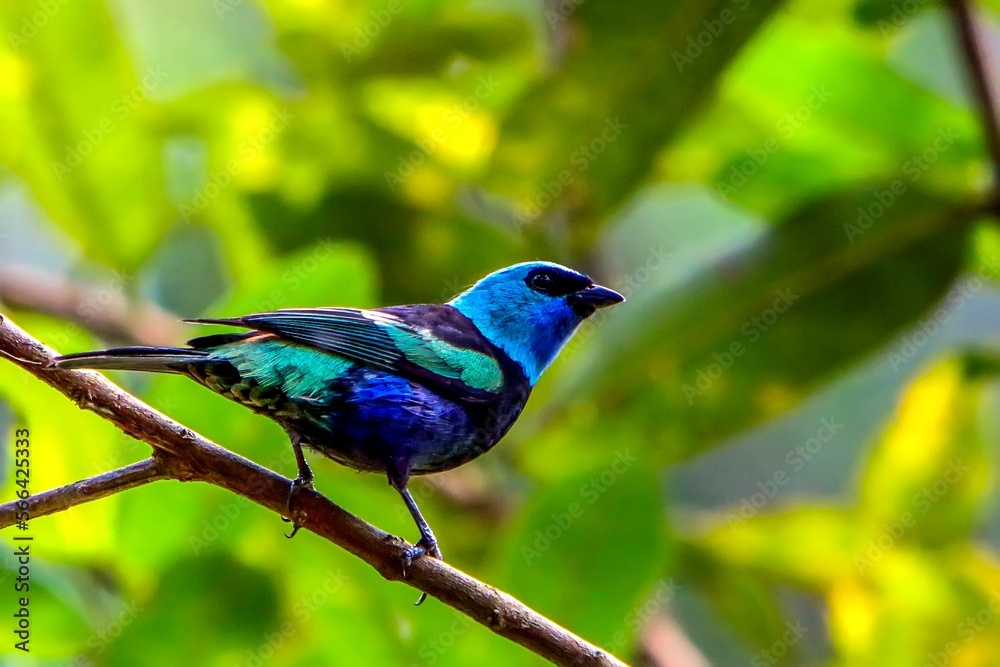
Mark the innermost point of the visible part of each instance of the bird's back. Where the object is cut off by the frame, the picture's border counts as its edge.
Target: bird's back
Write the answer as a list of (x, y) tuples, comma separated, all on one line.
[(359, 415)]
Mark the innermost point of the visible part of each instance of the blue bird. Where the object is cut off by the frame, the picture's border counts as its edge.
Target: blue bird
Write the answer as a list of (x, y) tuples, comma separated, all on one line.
[(403, 390)]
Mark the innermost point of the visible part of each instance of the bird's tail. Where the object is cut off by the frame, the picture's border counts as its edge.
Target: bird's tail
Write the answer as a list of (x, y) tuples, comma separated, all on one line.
[(151, 359)]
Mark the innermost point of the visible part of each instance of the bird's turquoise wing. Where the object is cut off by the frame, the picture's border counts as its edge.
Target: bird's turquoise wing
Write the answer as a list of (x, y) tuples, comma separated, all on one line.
[(383, 340)]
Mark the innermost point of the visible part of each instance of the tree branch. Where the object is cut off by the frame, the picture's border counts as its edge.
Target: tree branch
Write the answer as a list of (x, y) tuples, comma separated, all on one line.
[(985, 85), (180, 453), (77, 493)]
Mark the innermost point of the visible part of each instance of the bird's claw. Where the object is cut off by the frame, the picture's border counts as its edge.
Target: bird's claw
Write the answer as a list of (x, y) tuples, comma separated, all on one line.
[(410, 555), (295, 527), (425, 547), (299, 484)]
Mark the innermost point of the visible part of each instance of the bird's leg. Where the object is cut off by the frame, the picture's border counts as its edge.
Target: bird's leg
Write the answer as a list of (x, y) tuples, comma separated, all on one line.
[(427, 545), (304, 480)]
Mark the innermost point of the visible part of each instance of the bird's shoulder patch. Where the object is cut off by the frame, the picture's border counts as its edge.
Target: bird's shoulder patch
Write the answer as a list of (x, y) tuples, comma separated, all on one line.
[(421, 347), (441, 339)]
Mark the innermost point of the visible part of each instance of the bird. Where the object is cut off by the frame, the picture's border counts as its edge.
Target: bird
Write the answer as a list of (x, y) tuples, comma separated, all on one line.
[(398, 390)]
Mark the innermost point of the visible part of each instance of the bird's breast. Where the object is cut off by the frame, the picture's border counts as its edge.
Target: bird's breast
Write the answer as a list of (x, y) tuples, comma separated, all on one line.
[(370, 417)]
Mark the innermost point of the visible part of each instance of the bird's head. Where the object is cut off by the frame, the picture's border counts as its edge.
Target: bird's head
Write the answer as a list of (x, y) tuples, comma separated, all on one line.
[(531, 310)]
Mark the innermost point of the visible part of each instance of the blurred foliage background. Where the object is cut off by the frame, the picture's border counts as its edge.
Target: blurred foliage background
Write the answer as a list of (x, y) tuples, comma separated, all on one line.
[(782, 450)]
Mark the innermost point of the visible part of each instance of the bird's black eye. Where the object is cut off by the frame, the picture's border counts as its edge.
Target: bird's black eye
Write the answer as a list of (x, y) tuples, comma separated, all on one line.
[(541, 281), (556, 282)]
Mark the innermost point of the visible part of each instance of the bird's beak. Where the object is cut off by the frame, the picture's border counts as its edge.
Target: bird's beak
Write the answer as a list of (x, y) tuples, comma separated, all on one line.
[(589, 299)]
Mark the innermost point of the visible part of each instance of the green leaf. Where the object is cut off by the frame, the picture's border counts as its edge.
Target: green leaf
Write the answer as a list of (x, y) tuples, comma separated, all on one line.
[(227, 605), (754, 333), (602, 528), (83, 131), (636, 74)]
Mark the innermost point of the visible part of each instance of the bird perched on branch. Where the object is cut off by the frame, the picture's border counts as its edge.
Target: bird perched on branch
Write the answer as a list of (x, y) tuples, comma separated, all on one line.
[(404, 390)]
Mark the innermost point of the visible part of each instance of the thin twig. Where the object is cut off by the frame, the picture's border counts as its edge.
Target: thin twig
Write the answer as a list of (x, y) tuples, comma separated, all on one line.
[(985, 83), (185, 455), (77, 493)]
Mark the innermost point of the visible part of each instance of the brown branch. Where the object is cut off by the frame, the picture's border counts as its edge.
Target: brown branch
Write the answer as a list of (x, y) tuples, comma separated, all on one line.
[(182, 454), (102, 310), (77, 493), (985, 84)]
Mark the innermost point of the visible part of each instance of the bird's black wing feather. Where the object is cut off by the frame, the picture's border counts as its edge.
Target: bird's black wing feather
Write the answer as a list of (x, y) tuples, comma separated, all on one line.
[(432, 344)]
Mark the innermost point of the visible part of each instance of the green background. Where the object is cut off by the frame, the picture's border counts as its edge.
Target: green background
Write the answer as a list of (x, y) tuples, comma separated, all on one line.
[(783, 448)]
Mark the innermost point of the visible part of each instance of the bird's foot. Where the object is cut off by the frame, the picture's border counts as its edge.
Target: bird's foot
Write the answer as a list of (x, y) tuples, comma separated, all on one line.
[(427, 546), (299, 484)]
